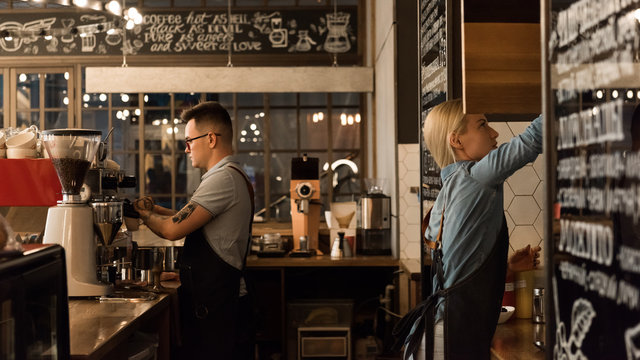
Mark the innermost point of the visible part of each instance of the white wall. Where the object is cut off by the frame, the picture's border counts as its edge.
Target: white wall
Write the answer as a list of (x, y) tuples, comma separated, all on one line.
[(384, 143)]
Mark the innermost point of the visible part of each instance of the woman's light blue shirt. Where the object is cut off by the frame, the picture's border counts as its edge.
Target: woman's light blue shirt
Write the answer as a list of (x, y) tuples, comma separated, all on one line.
[(472, 195)]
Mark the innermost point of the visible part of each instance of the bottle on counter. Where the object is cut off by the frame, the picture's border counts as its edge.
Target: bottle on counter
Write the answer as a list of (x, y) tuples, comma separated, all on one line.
[(524, 294)]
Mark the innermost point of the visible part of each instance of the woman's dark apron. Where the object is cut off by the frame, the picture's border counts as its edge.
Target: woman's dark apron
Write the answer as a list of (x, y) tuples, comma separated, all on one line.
[(211, 311), (472, 307)]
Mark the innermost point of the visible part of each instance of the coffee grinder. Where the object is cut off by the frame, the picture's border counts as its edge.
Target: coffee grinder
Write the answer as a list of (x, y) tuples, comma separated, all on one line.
[(305, 205), (375, 207), (71, 223)]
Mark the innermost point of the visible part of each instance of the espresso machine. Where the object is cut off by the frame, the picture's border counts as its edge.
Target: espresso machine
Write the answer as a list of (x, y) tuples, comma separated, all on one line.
[(375, 207), (305, 205), (101, 188), (71, 223)]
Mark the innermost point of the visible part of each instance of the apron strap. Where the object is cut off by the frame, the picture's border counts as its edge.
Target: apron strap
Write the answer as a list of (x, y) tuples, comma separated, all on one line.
[(253, 209), (433, 245)]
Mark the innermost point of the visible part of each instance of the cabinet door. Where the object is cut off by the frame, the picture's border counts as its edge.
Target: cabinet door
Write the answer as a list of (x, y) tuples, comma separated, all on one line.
[(501, 44)]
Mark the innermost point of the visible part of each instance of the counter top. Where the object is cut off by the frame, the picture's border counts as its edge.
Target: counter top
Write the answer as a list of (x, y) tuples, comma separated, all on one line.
[(97, 328), (253, 261), (513, 340)]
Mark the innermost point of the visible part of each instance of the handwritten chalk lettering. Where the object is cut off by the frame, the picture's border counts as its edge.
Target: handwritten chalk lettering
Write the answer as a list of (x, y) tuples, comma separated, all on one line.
[(158, 37), (606, 201), (574, 273), (152, 19), (601, 41), (247, 46), (629, 259), (233, 28), (202, 18), (628, 295), (572, 198), (563, 95), (600, 124), (603, 284), (582, 16), (606, 165), (572, 168), (587, 241)]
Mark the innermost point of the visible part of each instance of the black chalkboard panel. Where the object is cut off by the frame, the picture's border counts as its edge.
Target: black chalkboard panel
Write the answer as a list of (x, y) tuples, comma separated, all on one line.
[(182, 32), (433, 82), (595, 244)]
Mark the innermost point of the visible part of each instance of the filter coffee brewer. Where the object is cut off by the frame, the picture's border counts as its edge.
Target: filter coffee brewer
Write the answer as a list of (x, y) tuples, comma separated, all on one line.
[(305, 204), (71, 223), (375, 206)]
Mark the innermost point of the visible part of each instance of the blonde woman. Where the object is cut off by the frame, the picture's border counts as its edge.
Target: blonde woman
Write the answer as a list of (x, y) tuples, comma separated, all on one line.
[(468, 233)]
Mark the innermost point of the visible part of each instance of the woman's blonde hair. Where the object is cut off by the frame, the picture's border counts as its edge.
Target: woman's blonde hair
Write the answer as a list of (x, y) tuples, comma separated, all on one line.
[(444, 119)]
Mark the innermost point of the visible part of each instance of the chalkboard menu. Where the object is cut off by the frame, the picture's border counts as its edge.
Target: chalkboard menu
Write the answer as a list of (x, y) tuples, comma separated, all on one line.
[(182, 32), (595, 269), (433, 91), (433, 81)]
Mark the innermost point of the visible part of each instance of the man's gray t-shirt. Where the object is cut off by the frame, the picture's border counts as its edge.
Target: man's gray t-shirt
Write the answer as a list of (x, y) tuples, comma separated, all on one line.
[(223, 192)]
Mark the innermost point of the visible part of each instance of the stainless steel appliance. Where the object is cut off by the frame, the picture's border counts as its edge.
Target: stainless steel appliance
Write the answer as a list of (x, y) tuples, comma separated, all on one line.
[(34, 312), (375, 234)]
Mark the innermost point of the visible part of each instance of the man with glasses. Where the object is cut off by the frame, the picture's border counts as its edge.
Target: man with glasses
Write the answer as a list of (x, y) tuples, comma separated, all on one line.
[(215, 310)]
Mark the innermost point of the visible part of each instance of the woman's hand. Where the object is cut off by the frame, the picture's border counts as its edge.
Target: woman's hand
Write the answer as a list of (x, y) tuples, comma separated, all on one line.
[(524, 259)]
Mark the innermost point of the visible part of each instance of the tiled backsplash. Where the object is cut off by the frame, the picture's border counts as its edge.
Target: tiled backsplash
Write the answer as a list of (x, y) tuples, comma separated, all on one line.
[(523, 197)]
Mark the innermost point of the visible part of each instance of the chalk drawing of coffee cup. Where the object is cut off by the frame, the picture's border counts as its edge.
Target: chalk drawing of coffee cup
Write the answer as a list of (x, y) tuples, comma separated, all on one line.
[(15, 42), (67, 24), (114, 38)]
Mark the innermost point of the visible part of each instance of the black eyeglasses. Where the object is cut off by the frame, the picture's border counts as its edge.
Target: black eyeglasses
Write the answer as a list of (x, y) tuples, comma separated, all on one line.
[(188, 141)]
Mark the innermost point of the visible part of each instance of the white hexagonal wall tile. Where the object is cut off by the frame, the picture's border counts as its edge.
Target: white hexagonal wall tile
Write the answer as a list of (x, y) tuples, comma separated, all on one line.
[(412, 178), (413, 233), (510, 224), (524, 181), (402, 152), (522, 236), (538, 166), (538, 195), (518, 127), (412, 250), (539, 224), (412, 160), (508, 195), (402, 170), (523, 210), (412, 148), (413, 215), (504, 133)]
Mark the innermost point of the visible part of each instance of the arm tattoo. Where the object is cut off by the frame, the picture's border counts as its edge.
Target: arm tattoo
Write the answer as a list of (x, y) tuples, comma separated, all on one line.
[(184, 213)]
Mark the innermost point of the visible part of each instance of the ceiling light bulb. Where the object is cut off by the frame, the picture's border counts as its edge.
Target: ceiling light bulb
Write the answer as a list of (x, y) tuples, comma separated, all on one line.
[(165, 121), (114, 7), (343, 121), (614, 94), (350, 119), (65, 100), (137, 19), (81, 3), (48, 37), (629, 94), (599, 94), (253, 126), (119, 115), (137, 112), (146, 98), (124, 97), (315, 117), (320, 116), (66, 75), (130, 25), (86, 97), (243, 132), (358, 119), (256, 132), (103, 97), (125, 113), (22, 77)]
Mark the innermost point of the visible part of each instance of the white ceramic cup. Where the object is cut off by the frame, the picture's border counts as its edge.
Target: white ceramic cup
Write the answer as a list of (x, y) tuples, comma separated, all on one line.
[(19, 153), (25, 140)]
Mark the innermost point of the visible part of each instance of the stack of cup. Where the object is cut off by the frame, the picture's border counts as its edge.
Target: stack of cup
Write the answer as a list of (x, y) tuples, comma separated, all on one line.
[(3, 146), (22, 145)]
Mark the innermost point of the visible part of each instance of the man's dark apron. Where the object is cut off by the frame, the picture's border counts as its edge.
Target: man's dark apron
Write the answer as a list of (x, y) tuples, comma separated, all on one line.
[(472, 307), (210, 306)]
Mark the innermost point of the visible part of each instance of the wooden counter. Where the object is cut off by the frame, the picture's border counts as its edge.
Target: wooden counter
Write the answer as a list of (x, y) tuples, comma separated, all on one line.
[(513, 340), (98, 330), (253, 261)]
